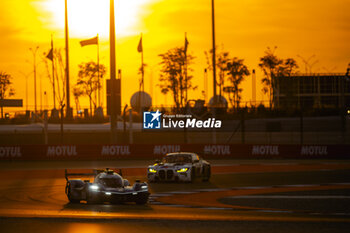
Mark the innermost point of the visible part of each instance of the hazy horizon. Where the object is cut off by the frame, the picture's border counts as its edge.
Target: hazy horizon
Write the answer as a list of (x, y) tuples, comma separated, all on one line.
[(244, 28)]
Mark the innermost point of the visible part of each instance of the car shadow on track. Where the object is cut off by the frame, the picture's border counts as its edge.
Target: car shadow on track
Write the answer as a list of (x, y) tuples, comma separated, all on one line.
[(167, 186), (163, 187), (107, 207), (154, 188)]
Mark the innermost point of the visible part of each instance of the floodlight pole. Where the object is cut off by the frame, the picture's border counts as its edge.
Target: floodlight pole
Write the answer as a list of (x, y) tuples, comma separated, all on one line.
[(214, 50), (215, 101), (68, 112), (34, 51), (98, 71), (112, 70), (53, 74)]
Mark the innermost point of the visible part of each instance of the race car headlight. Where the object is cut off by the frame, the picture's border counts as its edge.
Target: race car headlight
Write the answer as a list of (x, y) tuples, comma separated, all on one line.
[(185, 169), (144, 187), (151, 170), (94, 187), (107, 193)]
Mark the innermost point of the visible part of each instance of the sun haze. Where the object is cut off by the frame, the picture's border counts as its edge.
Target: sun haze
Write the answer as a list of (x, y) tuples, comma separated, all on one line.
[(244, 28)]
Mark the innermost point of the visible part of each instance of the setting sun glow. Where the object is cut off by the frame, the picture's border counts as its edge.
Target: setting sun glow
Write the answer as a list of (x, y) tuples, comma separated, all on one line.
[(89, 17), (243, 28)]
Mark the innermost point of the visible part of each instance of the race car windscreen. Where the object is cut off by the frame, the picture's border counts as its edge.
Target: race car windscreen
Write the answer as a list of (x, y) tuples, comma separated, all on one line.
[(115, 182), (178, 158)]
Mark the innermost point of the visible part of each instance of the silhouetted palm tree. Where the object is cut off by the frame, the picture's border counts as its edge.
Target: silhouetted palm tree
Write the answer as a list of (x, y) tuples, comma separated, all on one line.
[(173, 77), (88, 80), (237, 72), (274, 68), (6, 89)]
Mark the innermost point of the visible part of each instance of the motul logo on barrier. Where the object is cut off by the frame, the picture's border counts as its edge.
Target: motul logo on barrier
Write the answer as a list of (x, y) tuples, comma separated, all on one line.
[(265, 150), (115, 150), (61, 151), (10, 151), (164, 149), (217, 149), (314, 150)]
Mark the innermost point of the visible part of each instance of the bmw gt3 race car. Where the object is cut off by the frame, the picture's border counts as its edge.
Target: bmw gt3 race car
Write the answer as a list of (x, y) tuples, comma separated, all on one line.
[(179, 166), (108, 186)]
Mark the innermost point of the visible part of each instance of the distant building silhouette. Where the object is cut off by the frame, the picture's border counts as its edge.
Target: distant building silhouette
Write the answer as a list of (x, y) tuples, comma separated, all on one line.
[(313, 91)]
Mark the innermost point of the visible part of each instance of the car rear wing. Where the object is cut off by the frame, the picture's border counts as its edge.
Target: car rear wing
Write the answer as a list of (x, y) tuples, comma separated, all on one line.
[(67, 174), (94, 173)]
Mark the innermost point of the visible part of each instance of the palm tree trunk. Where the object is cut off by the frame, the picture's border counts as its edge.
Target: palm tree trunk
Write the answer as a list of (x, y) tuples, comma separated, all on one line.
[(90, 106)]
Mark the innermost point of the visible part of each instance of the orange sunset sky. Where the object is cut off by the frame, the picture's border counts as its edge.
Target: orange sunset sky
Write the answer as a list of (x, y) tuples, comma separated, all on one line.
[(244, 28)]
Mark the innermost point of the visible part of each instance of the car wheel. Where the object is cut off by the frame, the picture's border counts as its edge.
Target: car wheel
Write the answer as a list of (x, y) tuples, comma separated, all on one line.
[(69, 194), (206, 174), (141, 199), (92, 198), (116, 202), (193, 175)]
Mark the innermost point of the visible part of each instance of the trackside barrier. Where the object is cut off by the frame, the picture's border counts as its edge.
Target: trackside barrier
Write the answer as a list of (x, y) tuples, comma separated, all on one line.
[(214, 151)]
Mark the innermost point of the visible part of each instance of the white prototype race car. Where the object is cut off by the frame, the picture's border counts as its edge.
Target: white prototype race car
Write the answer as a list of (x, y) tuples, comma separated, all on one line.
[(108, 186), (179, 166)]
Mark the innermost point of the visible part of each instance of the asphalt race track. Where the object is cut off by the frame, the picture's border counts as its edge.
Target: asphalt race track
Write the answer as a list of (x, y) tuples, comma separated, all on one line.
[(242, 196)]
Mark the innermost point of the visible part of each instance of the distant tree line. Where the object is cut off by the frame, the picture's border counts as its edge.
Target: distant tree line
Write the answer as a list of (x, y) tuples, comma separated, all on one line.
[(88, 83), (175, 78), (231, 72), (6, 89), (274, 68)]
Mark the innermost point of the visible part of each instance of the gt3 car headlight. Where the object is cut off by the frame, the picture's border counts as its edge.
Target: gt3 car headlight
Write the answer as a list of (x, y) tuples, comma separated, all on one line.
[(144, 187), (185, 169), (151, 170), (94, 187)]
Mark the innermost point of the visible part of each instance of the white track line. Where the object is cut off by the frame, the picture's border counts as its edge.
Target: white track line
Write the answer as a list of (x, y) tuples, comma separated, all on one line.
[(154, 197), (287, 197)]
